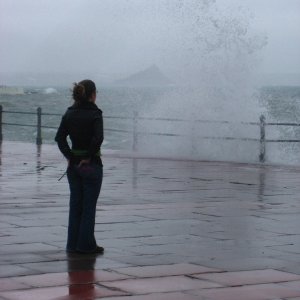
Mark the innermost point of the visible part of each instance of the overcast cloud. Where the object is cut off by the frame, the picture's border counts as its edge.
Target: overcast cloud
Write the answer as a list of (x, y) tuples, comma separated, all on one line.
[(122, 36)]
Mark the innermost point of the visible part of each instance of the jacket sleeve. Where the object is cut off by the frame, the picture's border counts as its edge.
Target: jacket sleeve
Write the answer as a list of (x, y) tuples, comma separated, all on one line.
[(61, 139), (98, 135)]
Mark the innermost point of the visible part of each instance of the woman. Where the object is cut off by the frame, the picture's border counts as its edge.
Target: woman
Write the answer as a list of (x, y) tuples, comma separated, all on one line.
[(83, 123)]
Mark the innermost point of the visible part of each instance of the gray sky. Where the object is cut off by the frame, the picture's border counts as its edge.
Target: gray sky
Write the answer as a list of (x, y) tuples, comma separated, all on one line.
[(122, 36), (279, 20)]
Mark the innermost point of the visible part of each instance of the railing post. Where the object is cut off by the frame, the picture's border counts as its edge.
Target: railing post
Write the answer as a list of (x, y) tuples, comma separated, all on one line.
[(39, 126), (135, 133), (1, 136), (262, 154)]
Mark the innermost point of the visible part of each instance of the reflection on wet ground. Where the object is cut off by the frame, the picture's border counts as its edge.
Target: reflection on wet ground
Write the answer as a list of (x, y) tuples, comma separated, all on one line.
[(179, 229)]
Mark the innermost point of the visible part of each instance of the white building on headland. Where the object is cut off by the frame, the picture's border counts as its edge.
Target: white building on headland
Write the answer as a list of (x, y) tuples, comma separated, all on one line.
[(11, 90)]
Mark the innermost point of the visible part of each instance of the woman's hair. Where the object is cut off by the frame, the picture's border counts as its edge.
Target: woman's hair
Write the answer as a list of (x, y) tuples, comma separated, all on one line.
[(83, 90)]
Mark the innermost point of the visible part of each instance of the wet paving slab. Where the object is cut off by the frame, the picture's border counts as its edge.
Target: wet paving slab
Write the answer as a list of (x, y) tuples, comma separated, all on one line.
[(171, 230)]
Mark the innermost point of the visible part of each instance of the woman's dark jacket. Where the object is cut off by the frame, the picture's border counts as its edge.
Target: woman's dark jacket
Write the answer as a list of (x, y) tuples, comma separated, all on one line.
[(83, 123)]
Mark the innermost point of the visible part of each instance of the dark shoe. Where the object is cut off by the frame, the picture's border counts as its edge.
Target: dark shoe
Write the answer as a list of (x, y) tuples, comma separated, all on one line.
[(98, 250)]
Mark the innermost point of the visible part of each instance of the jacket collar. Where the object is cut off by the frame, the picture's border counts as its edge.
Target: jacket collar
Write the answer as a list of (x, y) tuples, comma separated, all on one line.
[(84, 105)]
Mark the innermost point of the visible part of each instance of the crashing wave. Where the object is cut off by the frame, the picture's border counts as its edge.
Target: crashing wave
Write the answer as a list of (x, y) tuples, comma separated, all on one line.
[(50, 91)]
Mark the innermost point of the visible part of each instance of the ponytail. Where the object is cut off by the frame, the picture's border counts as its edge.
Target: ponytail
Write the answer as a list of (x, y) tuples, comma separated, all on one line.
[(83, 91)]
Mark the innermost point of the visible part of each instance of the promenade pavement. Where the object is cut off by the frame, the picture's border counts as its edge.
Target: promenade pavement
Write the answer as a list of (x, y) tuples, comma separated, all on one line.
[(171, 230)]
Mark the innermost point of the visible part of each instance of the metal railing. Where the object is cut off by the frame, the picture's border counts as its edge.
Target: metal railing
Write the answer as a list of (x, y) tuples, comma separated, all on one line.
[(262, 124)]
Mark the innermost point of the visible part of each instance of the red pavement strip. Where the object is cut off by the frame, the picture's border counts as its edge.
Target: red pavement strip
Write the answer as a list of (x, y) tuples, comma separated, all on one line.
[(182, 281)]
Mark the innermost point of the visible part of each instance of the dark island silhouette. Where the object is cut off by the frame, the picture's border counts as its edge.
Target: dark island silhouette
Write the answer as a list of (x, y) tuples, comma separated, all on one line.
[(151, 76)]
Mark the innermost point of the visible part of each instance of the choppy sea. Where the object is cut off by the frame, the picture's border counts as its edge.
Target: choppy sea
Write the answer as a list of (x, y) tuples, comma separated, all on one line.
[(281, 104)]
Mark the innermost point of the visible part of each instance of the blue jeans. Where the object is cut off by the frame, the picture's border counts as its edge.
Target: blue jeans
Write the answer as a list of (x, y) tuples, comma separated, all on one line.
[(85, 184)]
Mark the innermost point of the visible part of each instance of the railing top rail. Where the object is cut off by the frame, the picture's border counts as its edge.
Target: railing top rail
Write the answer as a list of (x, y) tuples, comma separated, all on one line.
[(282, 124), (19, 112), (197, 120), (141, 118), (227, 122), (18, 124), (117, 117), (165, 119), (51, 114), (282, 141)]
